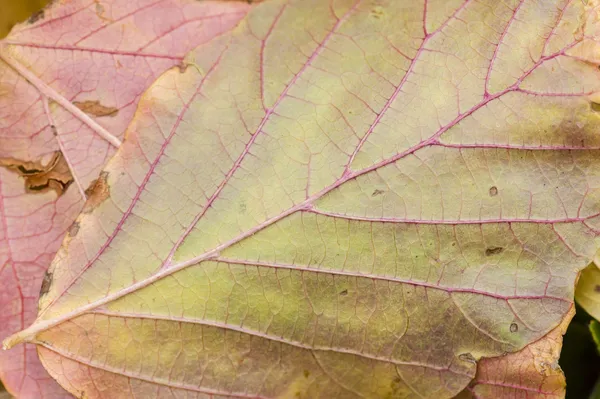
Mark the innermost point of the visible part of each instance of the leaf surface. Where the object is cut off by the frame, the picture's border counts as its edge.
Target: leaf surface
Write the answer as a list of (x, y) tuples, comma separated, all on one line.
[(77, 71), (339, 199)]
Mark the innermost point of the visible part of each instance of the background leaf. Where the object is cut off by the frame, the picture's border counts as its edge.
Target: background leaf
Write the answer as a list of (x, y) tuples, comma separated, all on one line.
[(76, 54)]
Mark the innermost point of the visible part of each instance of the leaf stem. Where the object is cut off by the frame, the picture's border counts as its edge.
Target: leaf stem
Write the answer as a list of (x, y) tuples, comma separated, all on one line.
[(54, 95)]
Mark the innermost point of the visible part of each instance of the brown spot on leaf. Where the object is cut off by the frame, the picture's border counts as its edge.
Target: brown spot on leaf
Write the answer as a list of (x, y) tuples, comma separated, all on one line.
[(36, 16), (344, 292), (40, 178), (306, 373), (46, 283), (597, 288), (183, 67), (95, 108), (74, 229), (493, 191), (377, 192), (97, 192), (493, 251), (514, 327), (595, 106), (377, 12)]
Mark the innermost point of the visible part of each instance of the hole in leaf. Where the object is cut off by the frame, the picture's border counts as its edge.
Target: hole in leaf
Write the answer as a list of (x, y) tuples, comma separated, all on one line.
[(493, 251), (467, 357)]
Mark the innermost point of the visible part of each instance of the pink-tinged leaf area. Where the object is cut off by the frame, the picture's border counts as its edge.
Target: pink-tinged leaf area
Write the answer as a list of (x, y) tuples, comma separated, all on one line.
[(531, 373), (338, 199), (99, 54)]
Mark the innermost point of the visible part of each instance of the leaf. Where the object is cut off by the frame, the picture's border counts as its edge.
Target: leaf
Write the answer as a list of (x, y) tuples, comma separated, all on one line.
[(595, 331), (345, 199), (79, 57), (587, 293), (531, 373)]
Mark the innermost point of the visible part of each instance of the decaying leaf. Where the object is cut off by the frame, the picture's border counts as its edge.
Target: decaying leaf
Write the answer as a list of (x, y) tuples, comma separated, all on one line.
[(95, 108), (531, 373), (100, 56), (38, 177), (340, 199)]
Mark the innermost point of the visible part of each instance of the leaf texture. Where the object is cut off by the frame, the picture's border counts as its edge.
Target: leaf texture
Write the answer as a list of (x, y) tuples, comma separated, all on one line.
[(351, 199), (79, 70)]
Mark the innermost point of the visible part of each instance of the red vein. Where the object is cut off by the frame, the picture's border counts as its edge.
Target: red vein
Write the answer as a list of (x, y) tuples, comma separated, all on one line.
[(95, 50), (512, 386), (258, 130), (450, 222), (383, 278), (263, 45), (54, 95), (259, 334), (124, 373), (113, 22), (140, 188), (497, 49), (516, 147)]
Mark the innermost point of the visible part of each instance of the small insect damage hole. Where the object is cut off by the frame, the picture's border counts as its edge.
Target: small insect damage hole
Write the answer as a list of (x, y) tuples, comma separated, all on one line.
[(96, 193), (39, 177), (514, 327), (94, 108), (377, 12), (467, 357), (46, 283), (74, 229), (493, 191), (493, 251), (377, 192)]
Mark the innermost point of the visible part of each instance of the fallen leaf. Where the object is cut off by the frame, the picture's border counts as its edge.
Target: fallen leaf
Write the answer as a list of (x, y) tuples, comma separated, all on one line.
[(240, 250), (74, 57)]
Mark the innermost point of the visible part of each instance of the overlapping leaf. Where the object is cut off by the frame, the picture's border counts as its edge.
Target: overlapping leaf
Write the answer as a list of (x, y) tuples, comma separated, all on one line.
[(75, 70), (588, 290), (339, 199)]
